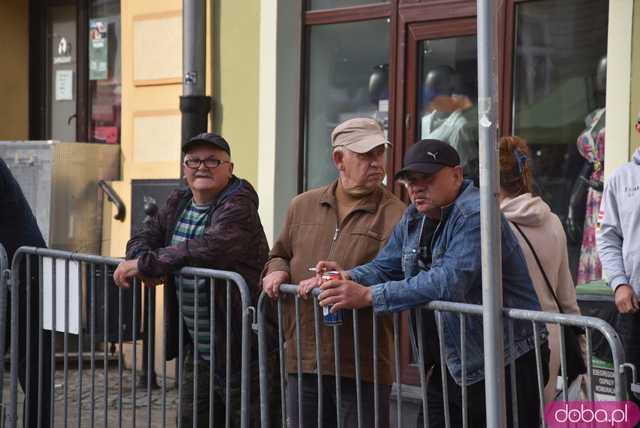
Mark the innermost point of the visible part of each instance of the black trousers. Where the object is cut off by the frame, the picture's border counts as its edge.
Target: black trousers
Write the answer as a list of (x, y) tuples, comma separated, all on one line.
[(38, 378), (198, 390), (349, 402), (628, 327), (39, 386), (528, 409)]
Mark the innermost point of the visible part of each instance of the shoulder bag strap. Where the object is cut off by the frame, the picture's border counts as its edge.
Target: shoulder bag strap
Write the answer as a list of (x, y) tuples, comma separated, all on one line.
[(544, 274)]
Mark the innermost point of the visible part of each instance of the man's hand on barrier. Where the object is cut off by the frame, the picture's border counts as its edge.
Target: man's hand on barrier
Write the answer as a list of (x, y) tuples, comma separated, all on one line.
[(271, 283), (124, 272), (305, 287), (626, 299), (345, 294)]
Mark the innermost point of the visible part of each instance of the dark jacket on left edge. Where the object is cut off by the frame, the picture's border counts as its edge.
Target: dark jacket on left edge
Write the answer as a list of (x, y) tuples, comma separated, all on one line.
[(233, 240), (18, 227)]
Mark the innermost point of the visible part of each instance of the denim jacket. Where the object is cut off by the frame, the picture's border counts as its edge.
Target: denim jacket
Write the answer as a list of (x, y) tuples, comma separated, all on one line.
[(400, 281)]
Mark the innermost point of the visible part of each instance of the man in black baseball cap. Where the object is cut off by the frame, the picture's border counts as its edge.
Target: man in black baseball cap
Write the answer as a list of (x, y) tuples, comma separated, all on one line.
[(207, 138), (428, 157), (432, 175), (434, 253), (212, 223)]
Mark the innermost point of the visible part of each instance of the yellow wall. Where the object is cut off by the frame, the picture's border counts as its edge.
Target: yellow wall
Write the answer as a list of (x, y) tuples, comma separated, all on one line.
[(635, 78), (235, 56), (618, 84), (140, 102), (14, 72)]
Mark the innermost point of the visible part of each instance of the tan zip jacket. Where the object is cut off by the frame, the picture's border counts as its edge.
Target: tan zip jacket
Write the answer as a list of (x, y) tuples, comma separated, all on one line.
[(312, 233)]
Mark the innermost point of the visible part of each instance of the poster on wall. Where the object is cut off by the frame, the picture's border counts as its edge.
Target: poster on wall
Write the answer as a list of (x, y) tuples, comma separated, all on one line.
[(98, 50), (64, 85)]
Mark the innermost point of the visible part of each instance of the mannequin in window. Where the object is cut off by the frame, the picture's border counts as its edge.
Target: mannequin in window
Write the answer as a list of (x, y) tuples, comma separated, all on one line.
[(379, 94), (591, 146), (448, 115)]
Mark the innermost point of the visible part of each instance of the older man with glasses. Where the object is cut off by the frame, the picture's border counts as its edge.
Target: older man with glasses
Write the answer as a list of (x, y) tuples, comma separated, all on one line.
[(214, 223)]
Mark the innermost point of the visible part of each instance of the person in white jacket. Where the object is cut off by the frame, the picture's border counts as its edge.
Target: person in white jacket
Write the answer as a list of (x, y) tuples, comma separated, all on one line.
[(618, 240), (545, 232)]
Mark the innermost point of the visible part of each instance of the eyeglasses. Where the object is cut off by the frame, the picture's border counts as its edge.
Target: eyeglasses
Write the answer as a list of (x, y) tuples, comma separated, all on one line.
[(210, 163)]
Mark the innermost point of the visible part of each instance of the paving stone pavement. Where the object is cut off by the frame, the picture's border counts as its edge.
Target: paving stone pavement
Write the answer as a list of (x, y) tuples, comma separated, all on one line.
[(119, 413)]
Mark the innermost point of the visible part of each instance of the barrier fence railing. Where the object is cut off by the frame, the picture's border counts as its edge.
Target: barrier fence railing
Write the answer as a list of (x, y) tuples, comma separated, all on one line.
[(51, 383), (73, 295), (4, 276), (289, 306)]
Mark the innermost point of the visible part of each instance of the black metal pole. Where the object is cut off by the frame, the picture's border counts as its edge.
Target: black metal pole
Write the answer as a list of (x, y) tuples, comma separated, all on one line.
[(194, 104), (149, 323)]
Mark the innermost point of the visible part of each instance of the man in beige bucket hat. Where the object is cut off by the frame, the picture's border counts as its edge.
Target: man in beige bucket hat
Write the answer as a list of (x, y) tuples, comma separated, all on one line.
[(347, 221)]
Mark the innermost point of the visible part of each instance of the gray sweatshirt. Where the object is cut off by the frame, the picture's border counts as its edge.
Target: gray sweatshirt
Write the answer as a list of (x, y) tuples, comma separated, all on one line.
[(618, 236)]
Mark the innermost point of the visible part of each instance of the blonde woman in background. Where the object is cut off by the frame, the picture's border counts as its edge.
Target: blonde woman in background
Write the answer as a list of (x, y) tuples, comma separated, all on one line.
[(544, 231)]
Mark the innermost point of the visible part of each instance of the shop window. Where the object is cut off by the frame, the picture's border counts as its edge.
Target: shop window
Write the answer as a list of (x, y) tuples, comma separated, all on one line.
[(558, 106), (347, 77), (75, 70), (105, 80), (447, 96)]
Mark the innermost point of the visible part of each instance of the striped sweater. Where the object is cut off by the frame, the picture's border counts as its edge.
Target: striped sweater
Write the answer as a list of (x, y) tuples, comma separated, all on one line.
[(191, 224)]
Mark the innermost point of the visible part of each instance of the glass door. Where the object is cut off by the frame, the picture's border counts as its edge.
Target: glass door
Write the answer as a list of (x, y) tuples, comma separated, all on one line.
[(440, 96), (76, 81), (442, 88), (61, 55)]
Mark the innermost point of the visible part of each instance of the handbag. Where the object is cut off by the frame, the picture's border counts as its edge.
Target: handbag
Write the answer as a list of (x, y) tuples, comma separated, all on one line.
[(575, 361), (577, 204)]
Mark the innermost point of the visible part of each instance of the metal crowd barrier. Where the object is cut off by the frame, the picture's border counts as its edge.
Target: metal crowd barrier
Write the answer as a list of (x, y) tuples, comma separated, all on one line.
[(66, 284), (538, 320), (4, 276)]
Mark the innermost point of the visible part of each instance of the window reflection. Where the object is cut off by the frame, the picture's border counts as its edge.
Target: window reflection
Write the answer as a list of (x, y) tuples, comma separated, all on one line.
[(348, 77), (558, 99), (105, 82), (447, 96)]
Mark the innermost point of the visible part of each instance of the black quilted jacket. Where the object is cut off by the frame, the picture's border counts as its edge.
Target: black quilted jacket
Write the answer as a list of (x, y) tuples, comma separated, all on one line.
[(233, 240)]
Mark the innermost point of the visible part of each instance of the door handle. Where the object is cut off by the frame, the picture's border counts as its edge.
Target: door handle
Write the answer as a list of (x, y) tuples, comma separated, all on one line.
[(73, 116)]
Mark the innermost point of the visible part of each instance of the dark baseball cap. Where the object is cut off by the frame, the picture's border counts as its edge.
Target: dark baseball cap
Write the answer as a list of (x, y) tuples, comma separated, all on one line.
[(207, 138), (428, 157)]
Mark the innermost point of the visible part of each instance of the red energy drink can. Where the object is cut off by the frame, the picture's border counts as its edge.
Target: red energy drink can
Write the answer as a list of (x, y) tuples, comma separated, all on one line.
[(329, 318)]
